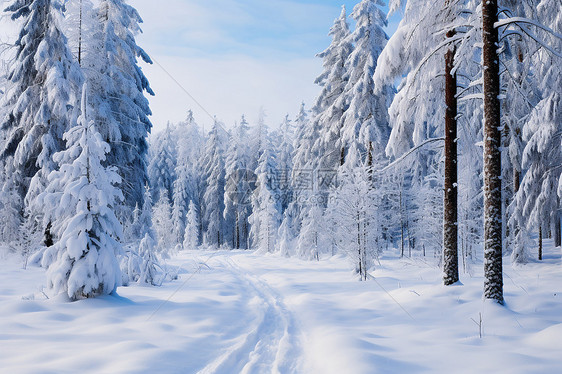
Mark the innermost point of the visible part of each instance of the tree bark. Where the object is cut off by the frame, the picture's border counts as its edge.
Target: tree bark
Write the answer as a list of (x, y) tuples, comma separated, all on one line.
[(450, 216), (557, 230), (48, 236), (540, 243), (80, 36), (493, 277)]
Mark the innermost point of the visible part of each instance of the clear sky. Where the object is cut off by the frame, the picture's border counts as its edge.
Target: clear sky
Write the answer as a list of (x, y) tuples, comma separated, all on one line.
[(234, 56)]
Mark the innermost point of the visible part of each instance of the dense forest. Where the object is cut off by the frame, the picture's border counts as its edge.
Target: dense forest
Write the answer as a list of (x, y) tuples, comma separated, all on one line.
[(441, 141)]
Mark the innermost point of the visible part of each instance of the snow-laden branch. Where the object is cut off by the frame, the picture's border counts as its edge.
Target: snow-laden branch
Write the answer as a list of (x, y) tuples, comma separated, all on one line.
[(540, 42), (437, 49), (401, 158), (519, 20), (479, 95)]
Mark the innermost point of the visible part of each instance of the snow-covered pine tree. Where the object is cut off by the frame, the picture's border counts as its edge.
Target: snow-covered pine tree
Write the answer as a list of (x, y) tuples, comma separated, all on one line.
[(365, 121), (238, 188), (286, 236), (213, 199), (162, 167), (303, 169), (148, 265), (178, 215), (10, 204), (81, 198), (37, 115), (425, 109), (309, 239), (131, 227), (285, 161), (532, 94), (82, 29), (188, 172), (352, 213), (266, 208), (537, 203), (125, 90), (331, 103), (144, 221), (191, 236), (162, 219)]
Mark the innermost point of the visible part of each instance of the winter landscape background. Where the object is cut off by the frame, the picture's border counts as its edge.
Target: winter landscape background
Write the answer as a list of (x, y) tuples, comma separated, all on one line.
[(233, 192)]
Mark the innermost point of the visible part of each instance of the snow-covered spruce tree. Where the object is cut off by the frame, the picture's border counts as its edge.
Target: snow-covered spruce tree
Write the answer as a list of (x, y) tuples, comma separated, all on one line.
[(285, 162), (309, 239), (286, 236), (331, 104), (162, 166), (125, 88), (213, 199), (266, 208), (82, 29), (10, 205), (131, 227), (188, 172), (179, 211), (146, 271), (238, 188), (426, 108), (537, 203), (162, 219), (532, 80), (29, 237), (365, 121), (141, 263), (303, 168), (81, 198), (352, 212), (191, 236), (521, 95), (43, 86), (145, 218)]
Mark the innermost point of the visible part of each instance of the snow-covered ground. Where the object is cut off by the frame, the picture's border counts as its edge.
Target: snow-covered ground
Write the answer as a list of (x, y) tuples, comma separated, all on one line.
[(240, 312)]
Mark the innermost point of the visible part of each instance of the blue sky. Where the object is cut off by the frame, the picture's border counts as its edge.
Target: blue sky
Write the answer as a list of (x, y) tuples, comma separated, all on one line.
[(235, 56)]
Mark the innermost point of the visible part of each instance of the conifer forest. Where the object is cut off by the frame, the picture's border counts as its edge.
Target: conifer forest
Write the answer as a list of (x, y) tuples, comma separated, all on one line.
[(408, 219)]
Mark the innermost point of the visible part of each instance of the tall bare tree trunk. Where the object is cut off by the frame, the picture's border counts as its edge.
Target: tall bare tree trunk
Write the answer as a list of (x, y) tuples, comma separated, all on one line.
[(493, 282), (557, 229), (540, 243), (80, 36), (450, 214)]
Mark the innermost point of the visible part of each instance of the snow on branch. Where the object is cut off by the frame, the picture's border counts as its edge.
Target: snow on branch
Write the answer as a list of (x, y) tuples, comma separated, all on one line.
[(405, 155), (519, 20)]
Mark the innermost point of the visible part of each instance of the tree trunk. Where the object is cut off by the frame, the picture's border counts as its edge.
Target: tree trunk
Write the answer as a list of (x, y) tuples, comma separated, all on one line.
[(342, 156), (370, 161), (557, 230), (80, 36), (48, 238), (493, 282), (401, 228), (450, 216), (540, 243)]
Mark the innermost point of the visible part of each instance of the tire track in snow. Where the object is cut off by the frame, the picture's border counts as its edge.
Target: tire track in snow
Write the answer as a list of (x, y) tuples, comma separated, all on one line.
[(273, 345)]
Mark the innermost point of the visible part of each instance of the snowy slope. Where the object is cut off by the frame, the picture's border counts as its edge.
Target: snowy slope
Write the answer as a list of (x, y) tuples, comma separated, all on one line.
[(238, 312)]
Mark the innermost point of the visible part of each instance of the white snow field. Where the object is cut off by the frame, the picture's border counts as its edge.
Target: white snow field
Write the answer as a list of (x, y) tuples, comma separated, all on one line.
[(240, 312)]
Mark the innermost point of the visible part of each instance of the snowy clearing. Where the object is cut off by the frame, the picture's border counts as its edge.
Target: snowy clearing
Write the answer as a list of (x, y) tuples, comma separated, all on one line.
[(239, 312)]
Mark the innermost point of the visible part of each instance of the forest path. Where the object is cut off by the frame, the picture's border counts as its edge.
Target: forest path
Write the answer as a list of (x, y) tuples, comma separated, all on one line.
[(272, 344)]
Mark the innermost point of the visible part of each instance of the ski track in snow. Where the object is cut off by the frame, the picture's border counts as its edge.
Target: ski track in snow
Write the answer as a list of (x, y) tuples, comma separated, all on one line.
[(272, 345)]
